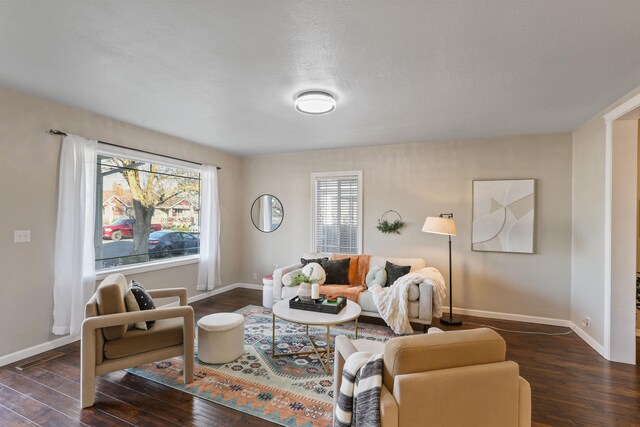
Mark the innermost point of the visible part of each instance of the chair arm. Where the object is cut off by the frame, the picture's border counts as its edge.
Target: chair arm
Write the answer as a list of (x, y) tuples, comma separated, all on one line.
[(88, 359), (170, 292), (92, 323), (344, 346), (277, 278), (524, 404), (425, 311), (388, 408), (342, 350)]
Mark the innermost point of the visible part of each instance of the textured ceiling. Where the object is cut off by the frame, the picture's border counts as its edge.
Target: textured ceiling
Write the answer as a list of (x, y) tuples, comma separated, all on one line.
[(225, 73)]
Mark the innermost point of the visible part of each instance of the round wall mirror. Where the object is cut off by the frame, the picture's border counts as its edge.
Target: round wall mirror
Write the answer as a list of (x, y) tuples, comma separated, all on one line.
[(267, 213)]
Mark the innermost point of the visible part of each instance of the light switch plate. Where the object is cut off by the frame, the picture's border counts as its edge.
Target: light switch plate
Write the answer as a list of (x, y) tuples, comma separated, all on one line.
[(21, 236)]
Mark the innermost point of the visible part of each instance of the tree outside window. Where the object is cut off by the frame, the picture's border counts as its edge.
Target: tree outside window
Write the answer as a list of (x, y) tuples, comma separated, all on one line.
[(146, 211)]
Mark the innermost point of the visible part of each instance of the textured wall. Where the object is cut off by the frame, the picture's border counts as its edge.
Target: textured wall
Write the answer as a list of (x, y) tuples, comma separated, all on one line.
[(588, 220), (623, 259), (28, 186), (587, 291), (427, 179)]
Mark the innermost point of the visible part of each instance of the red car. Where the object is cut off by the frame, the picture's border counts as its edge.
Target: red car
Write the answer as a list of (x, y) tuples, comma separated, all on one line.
[(123, 228)]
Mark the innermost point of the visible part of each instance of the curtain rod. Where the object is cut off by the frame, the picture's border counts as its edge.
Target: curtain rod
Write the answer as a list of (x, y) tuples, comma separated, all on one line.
[(57, 132)]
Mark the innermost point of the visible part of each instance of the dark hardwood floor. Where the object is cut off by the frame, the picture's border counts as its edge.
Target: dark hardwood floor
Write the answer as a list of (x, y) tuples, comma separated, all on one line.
[(572, 385)]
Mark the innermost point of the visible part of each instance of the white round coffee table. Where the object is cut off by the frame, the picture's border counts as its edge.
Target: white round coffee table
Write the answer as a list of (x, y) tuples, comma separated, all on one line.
[(303, 317)]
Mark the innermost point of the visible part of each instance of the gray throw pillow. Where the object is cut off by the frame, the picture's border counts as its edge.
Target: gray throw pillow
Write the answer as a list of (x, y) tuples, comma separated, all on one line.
[(337, 271), (310, 260), (394, 272)]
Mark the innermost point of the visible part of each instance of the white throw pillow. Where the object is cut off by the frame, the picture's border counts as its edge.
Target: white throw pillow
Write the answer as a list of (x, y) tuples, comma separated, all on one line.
[(376, 276), (414, 292), (315, 272), (288, 277)]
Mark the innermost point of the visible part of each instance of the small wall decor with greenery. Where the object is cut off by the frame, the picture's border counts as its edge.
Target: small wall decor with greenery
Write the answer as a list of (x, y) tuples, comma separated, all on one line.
[(386, 226)]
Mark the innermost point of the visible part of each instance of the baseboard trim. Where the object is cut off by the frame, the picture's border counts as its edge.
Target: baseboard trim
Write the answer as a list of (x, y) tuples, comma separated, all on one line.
[(513, 317), (222, 290), (207, 294), (59, 342), (588, 339), (249, 286), (535, 319), (37, 349), (225, 289)]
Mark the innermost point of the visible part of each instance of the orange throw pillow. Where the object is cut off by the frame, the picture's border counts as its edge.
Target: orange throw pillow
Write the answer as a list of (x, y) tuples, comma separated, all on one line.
[(358, 268)]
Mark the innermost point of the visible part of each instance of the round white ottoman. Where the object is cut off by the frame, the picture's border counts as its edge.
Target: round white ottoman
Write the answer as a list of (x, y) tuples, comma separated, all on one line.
[(220, 337)]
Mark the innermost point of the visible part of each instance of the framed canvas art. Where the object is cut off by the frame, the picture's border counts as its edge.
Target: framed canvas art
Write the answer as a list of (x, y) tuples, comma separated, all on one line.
[(503, 215)]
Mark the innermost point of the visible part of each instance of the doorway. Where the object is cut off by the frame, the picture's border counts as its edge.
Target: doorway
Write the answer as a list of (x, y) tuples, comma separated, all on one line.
[(621, 231), (637, 299)]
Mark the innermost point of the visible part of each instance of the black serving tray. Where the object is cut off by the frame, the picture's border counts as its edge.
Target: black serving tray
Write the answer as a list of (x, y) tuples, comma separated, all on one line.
[(319, 305)]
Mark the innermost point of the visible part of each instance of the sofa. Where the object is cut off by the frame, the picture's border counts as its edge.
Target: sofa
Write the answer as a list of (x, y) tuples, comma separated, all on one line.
[(420, 296), (453, 379)]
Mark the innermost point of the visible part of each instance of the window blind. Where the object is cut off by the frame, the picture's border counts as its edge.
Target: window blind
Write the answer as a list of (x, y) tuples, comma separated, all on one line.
[(336, 214)]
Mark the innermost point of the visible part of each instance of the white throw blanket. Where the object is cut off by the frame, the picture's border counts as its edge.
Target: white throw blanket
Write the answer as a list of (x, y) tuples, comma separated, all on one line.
[(359, 397), (393, 301)]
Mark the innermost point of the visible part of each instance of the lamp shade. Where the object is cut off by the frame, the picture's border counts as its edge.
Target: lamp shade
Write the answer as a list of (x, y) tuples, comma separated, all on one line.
[(438, 225)]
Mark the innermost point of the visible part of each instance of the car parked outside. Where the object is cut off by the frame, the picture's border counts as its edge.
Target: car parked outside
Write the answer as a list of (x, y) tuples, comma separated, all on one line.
[(123, 228), (166, 243)]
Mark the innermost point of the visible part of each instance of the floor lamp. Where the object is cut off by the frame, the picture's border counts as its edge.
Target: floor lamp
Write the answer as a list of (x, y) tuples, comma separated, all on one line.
[(444, 224)]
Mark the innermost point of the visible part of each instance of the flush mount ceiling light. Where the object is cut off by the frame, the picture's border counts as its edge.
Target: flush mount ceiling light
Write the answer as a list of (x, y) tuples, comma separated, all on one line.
[(315, 102)]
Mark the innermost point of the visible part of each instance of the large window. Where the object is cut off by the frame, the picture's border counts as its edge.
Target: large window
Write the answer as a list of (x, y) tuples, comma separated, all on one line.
[(147, 209), (337, 212)]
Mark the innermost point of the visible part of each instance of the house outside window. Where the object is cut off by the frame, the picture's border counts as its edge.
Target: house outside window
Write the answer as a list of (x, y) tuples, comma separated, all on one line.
[(149, 209), (337, 212)]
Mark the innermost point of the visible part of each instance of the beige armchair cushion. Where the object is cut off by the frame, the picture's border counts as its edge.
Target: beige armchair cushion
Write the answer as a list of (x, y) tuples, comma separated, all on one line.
[(479, 396), (165, 333), (420, 353), (110, 300)]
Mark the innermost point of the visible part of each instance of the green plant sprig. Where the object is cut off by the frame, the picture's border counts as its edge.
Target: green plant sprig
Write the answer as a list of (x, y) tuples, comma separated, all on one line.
[(302, 278), (390, 227)]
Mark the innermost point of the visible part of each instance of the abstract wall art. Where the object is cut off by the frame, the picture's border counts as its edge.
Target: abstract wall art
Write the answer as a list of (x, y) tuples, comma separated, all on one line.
[(503, 215)]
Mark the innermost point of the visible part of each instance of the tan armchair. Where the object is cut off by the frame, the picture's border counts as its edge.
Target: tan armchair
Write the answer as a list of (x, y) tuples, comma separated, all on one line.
[(108, 345), (457, 378)]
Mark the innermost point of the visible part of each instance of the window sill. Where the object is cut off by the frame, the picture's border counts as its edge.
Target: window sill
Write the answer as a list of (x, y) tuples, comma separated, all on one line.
[(148, 266)]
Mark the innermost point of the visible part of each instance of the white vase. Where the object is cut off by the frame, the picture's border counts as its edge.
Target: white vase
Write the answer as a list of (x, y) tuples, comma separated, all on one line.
[(304, 291)]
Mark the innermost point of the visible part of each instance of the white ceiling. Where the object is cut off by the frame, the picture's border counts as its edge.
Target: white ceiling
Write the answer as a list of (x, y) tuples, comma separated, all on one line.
[(225, 73)]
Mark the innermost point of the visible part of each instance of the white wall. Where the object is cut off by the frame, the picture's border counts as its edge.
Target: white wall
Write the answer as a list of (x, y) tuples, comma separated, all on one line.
[(638, 201), (638, 224), (427, 179), (588, 221), (587, 272), (415, 179), (28, 190), (624, 214)]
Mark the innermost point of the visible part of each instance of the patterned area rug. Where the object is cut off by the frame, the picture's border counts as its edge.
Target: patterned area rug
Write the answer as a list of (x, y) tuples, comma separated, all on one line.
[(290, 391)]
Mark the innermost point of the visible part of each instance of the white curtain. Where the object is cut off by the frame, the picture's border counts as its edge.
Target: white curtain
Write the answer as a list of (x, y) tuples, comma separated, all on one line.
[(74, 261), (209, 268)]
